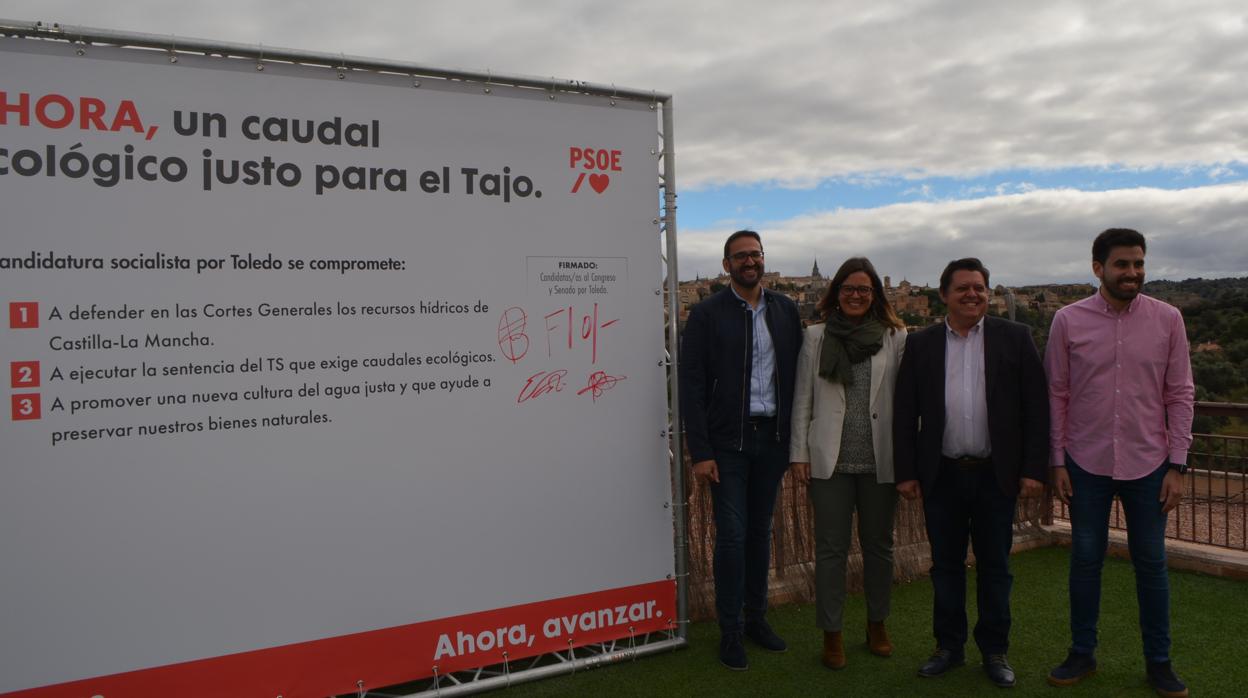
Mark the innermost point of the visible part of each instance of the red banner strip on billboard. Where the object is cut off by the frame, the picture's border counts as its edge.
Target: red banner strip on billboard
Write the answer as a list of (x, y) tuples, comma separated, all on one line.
[(394, 655)]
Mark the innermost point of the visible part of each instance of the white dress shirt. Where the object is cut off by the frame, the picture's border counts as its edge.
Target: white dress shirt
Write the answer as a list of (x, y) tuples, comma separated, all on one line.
[(966, 400)]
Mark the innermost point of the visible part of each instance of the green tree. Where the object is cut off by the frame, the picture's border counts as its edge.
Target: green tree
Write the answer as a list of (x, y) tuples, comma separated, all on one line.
[(1238, 329), (1236, 351), (934, 304), (1217, 376), (912, 320)]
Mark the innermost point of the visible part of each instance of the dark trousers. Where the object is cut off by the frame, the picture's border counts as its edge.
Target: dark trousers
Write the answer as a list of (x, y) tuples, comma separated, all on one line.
[(744, 500), (1146, 539), (967, 502)]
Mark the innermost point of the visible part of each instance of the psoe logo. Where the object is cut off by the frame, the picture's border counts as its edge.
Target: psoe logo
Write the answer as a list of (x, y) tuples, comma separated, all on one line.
[(593, 165)]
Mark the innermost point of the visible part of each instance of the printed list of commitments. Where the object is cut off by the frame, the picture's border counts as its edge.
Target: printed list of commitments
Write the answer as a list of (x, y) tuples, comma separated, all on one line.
[(109, 371), (130, 369)]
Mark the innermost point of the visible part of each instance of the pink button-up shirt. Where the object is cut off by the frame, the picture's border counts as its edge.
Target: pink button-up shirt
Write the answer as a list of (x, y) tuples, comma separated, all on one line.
[(1120, 387)]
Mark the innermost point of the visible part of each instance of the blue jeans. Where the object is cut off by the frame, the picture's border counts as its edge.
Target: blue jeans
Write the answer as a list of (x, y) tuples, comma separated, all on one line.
[(968, 503), (1090, 504), (744, 500)]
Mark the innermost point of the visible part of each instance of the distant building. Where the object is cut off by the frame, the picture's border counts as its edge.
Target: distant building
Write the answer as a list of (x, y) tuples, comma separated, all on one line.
[(1048, 303), (907, 298), (998, 305), (915, 301)]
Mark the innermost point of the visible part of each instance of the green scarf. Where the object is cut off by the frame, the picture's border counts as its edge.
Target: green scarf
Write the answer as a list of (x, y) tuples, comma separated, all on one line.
[(846, 343)]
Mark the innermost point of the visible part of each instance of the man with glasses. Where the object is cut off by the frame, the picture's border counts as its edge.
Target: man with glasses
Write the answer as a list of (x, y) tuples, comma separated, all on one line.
[(738, 359), (970, 433)]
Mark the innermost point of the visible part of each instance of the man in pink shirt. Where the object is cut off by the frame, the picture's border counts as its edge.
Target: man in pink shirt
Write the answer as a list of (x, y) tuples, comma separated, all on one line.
[(1121, 400)]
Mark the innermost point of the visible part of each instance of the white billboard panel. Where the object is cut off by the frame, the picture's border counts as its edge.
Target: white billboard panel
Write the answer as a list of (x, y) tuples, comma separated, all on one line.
[(318, 380)]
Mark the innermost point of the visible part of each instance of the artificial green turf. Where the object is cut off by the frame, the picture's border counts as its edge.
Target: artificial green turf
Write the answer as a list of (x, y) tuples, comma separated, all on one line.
[(1209, 626)]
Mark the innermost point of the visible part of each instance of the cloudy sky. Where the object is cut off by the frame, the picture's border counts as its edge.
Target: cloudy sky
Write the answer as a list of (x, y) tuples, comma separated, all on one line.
[(910, 131)]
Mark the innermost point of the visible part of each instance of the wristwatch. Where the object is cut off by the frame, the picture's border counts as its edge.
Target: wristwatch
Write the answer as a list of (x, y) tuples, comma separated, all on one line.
[(1181, 467)]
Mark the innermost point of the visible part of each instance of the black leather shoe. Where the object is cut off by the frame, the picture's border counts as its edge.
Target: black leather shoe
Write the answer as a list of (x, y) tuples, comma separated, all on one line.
[(1076, 668), (941, 661), (999, 670), (762, 635), (732, 652), (1161, 677)]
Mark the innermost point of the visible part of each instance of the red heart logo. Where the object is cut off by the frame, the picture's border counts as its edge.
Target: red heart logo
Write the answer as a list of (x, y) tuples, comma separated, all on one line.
[(599, 182)]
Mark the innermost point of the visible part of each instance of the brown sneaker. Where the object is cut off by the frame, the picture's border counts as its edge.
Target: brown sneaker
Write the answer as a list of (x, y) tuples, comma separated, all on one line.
[(833, 650), (877, 639)]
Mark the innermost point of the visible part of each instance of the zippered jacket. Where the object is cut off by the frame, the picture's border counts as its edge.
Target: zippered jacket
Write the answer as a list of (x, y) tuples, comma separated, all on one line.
[(716, 353)]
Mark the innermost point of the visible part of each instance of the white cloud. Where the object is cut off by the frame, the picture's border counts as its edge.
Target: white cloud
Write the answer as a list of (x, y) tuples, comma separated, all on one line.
[(797, 92), (1032, 237), (923, 191), (1013, 188)]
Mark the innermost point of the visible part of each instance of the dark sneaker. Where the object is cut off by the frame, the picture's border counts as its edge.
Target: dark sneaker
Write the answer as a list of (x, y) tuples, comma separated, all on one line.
[(1161, 677), (732, 652), (941, 662), (1078, 666), (762, 635), (999, 670)]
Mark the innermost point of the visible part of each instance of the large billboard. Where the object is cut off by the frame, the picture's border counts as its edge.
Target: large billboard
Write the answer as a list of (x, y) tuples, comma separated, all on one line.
[(320, 379)]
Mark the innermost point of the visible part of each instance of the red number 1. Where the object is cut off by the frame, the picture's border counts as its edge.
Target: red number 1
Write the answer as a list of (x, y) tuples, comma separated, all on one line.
[(23, 315)]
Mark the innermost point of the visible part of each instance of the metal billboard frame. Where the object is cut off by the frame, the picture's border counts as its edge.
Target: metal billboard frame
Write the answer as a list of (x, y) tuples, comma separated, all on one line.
[(542, 666)]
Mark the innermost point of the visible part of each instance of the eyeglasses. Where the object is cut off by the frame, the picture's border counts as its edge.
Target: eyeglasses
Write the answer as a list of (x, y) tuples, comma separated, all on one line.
[(742, 256), (855, 291)]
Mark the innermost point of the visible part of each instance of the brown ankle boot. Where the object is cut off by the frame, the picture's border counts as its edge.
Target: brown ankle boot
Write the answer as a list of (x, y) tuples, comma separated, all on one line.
[(833, 650), (877, 639)]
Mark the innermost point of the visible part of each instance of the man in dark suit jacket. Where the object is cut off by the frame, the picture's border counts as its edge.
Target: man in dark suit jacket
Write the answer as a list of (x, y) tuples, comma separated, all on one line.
[(970, 426)]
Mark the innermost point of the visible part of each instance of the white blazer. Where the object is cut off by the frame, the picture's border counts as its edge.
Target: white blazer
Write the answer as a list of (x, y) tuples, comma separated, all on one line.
[(819, 407)]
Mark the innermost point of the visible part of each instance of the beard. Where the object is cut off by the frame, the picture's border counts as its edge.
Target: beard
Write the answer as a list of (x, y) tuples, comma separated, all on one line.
[(1116, 291), (740, 278)]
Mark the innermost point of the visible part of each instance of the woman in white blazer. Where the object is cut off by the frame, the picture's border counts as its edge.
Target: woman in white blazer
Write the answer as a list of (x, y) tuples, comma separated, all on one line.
[(842, 446)]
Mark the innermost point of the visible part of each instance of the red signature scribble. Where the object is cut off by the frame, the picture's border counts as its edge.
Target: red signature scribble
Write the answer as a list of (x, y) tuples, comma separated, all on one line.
[(588, 331), (541, 383), (512, 340), (599, 383)]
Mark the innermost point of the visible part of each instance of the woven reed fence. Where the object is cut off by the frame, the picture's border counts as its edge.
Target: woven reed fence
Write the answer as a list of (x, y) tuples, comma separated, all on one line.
[(793, 547)]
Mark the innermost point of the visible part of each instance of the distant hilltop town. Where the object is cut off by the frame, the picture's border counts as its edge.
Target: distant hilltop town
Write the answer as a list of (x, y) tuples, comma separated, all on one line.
[(918, 306)]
